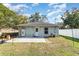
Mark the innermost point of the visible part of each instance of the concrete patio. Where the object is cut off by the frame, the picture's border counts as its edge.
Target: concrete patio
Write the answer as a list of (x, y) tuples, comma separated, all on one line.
[(27, 40)]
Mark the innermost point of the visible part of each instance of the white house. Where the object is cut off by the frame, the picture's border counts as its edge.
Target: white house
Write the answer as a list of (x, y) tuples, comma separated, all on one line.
[(39, 29)]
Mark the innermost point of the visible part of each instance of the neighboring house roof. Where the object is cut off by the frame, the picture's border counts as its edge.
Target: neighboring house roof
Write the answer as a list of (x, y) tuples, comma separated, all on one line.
[(38, 24), (8, 30)]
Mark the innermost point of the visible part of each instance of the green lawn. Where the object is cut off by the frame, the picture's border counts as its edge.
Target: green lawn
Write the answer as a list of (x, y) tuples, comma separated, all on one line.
[(58, 46)]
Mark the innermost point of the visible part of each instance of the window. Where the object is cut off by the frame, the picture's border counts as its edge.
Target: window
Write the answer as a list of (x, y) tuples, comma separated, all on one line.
[(46, 30), (36, 29)]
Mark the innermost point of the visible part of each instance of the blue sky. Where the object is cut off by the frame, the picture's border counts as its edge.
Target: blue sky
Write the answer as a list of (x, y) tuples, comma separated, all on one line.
[(53, 11)]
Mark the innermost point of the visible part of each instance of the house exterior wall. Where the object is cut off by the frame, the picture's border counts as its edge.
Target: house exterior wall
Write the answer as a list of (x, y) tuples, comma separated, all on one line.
[(30, 31)]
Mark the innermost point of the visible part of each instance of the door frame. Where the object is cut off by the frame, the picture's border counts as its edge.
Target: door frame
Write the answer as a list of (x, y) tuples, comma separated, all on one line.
[(23, 32), (36, 32)]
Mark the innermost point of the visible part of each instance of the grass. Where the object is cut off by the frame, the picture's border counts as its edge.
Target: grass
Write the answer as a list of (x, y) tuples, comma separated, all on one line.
[(70, 38), (74, 41), (58, 46)]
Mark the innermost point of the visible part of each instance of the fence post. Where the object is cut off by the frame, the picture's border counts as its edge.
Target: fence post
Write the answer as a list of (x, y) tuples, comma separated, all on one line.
[(72, 36)]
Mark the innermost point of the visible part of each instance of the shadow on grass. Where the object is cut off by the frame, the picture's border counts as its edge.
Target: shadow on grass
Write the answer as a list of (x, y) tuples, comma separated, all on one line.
[(70, 38)]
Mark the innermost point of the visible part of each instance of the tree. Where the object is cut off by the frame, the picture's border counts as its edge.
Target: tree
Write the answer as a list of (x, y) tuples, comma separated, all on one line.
[(19, 19), (9, 18), (44, 18), (5, 16), (37, 17), (22, 19), (71, 19)]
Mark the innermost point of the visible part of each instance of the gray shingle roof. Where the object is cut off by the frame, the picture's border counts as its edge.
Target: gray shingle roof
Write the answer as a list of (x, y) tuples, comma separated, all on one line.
[(38, 24)]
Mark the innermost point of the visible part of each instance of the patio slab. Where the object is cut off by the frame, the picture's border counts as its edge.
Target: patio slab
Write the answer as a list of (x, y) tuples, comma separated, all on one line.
[(27, 40)]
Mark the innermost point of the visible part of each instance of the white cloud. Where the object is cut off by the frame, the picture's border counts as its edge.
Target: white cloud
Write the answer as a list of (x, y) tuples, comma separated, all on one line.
[(35, 4), (61, 6), (56, 11), (21, 6), (56, 19), (26, 15), (59, 18), (16, 7), (51, 4), (7, 4), (48, 10)]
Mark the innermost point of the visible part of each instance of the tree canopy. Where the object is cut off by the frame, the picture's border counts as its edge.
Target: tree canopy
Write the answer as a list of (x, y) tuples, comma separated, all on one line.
[(36, 17), (9, 18), (71, 19)]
